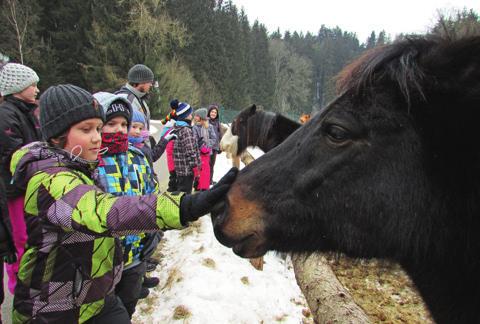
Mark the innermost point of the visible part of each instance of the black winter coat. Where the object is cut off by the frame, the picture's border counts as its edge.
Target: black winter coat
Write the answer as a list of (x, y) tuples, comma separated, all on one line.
[(18, 127), (7, 247)]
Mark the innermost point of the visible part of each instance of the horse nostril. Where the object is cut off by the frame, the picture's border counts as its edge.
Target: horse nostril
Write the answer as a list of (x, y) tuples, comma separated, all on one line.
[(217, 210)]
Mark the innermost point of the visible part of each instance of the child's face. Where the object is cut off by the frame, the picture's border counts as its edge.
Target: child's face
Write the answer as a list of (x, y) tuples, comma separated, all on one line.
[(115, 125), (213, 114), (197, 119), (85, 138), (28, 94), (136, 129)]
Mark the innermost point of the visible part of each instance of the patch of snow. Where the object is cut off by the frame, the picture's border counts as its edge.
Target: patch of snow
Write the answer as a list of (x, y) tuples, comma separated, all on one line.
[(210, 284)]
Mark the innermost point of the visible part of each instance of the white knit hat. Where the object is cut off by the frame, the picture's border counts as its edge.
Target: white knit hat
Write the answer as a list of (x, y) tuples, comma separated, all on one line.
[(15, 78)]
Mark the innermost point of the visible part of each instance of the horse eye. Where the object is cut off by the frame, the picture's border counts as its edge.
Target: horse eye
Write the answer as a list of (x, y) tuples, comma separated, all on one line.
[(337, 133)]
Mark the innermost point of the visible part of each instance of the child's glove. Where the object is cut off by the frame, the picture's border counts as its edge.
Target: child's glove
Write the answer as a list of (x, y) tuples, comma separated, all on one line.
[(205, 149), (145, 134), (171, 135), (193, 206)]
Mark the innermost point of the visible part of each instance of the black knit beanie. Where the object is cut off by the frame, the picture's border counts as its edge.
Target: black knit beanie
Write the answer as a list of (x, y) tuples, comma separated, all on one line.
[(140, 73), (65, 105)]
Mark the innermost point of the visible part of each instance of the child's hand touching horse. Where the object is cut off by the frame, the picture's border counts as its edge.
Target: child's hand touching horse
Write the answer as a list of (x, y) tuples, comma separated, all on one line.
[(195, 205)]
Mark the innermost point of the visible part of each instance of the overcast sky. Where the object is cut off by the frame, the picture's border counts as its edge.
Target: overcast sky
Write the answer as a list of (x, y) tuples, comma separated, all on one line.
[(359, 16)]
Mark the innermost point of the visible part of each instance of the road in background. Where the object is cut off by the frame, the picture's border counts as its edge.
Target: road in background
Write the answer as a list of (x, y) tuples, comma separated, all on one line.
[(160, 166)]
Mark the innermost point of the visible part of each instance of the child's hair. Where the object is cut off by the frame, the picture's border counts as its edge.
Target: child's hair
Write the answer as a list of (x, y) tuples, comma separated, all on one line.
[(58, 142)]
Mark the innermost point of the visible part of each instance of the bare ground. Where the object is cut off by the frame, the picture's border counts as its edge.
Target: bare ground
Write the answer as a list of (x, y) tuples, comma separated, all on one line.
[(382, 289)]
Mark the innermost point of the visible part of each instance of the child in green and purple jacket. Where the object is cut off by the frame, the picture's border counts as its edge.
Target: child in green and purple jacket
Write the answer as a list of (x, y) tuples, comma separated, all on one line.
[(73, 259)]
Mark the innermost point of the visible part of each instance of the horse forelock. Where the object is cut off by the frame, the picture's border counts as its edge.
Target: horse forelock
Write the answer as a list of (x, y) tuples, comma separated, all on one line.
[(258, 127), (264, 127), (398, 63)]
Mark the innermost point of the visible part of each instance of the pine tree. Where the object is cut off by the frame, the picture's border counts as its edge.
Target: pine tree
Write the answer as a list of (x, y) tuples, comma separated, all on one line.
[(65, 26), (262, 82)]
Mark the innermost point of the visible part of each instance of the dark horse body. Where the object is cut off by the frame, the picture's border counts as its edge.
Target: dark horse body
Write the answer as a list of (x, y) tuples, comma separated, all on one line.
[(260, 128), (390, 169)]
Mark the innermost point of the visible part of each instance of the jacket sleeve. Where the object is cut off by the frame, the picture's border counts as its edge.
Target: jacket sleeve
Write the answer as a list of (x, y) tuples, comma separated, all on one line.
[(212, 138), (11, 138), (158, 149), (65, 200), (7, 247)]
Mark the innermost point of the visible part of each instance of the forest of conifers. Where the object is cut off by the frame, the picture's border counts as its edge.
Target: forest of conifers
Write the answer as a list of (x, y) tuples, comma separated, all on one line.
[(201, 51)]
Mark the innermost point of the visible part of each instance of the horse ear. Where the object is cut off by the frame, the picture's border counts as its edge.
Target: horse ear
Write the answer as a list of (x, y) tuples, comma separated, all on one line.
[(252, 109)]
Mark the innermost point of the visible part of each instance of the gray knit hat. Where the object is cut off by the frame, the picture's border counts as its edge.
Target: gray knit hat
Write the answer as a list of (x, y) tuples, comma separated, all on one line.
[(15, 78), (201, 112), (65, 105), (140, 73)]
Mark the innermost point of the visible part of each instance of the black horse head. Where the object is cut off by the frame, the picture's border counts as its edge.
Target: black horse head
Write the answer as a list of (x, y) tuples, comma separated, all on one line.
[(255, 127), (391, 168)]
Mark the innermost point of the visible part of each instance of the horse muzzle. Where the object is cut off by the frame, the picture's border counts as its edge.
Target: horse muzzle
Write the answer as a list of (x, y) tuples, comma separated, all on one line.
[(238, 224)]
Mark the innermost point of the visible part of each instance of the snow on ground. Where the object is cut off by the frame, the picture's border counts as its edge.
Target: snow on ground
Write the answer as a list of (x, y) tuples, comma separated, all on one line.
[(201, 281)]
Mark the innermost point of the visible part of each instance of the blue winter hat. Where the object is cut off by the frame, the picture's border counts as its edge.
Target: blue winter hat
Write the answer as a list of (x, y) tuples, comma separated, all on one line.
[(183, 111), (138, 117)]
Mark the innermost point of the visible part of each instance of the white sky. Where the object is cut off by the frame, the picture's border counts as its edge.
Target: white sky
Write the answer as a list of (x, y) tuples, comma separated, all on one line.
[(359, 16)]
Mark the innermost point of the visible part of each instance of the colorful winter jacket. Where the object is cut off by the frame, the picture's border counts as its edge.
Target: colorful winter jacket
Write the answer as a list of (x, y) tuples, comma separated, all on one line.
[(72, 259), (186, 154), (127, 174)]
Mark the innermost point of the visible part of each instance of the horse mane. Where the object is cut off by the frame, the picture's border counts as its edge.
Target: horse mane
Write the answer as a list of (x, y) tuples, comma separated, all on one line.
[(259, 126), (407, 63), (438, 78)]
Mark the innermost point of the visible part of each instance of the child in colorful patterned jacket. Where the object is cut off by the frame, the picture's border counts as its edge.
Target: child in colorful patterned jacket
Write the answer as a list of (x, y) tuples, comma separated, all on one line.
[(124, 171), (73, 259)]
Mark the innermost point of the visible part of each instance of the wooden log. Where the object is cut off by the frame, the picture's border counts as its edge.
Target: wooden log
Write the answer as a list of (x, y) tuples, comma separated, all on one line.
[(328, 300)]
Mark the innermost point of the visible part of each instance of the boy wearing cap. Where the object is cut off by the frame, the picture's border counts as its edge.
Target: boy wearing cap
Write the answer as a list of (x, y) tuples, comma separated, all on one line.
[(186, 156), (18, 127), (73, 260), (124, 171)]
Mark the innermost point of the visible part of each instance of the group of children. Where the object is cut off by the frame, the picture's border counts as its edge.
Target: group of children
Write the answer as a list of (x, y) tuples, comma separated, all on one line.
[(192, 156), (89, 198)]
